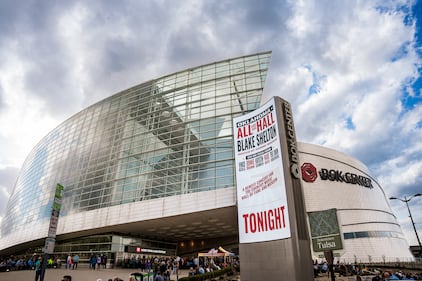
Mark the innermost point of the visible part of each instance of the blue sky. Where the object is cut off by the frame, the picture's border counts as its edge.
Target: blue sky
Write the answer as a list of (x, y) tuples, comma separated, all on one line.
[(350, 69), (409, 101)]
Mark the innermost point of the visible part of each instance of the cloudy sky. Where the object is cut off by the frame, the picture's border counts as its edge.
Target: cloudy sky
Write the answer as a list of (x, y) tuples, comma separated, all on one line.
[(351, 70)]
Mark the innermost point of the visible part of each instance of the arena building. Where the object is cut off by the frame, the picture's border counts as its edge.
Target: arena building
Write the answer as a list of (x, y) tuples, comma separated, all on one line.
[(342, 198), (150, 171)]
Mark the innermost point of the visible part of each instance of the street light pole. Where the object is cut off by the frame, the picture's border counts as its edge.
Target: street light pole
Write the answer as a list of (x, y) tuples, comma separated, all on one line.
[(406, 200)]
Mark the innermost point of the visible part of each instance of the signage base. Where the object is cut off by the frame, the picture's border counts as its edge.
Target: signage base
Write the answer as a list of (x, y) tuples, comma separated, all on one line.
[(278, 260)]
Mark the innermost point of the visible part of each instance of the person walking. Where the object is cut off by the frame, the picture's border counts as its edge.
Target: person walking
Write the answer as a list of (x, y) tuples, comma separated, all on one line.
[(69, 262), (38, 268), (99, 262), (159, 277), (75, 260), (155, 268), (93, 261), (104, 261)]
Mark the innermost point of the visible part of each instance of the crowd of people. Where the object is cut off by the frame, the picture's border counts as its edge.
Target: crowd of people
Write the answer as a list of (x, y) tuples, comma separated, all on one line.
[(163, 268), (359, 270), (396, 275), (24, 262), (97, 262)]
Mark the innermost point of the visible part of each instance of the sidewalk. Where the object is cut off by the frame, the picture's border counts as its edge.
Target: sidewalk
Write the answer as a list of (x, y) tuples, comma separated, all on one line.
[(85, 274), (80, 274)]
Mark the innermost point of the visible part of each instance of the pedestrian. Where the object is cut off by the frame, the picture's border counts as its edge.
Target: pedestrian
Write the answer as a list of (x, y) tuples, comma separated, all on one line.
[(75, 260), (104, 261), (158, 277), (67, 278), (99, 262), (38, 268), (155, 268), (386, 275), (69, 262), (93, 261)]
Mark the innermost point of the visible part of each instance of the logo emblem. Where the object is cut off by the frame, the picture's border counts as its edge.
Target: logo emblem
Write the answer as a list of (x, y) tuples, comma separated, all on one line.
[(309, 172)]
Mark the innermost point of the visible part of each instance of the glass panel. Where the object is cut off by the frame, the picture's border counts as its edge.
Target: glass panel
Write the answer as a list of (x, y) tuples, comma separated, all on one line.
[(159, 138)]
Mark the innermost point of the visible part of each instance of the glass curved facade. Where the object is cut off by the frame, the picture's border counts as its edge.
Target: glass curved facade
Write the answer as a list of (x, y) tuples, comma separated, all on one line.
[(165, 137)]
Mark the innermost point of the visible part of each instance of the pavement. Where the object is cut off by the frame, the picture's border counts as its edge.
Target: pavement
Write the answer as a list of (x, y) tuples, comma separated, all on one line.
[(80, 274), (86, 274)]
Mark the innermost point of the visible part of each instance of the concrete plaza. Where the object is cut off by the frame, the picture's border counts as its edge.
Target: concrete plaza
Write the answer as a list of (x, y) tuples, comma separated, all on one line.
[(85, 274), (80, 274)]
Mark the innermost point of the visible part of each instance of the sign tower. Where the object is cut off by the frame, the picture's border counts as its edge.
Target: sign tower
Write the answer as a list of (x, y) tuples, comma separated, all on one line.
[(273, 235)]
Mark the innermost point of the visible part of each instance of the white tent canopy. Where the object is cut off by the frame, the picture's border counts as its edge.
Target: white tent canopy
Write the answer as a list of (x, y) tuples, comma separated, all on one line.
[(220, 252)]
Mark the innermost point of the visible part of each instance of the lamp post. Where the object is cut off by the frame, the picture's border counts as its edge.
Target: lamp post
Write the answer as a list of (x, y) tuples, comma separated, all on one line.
[(406, 200)]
